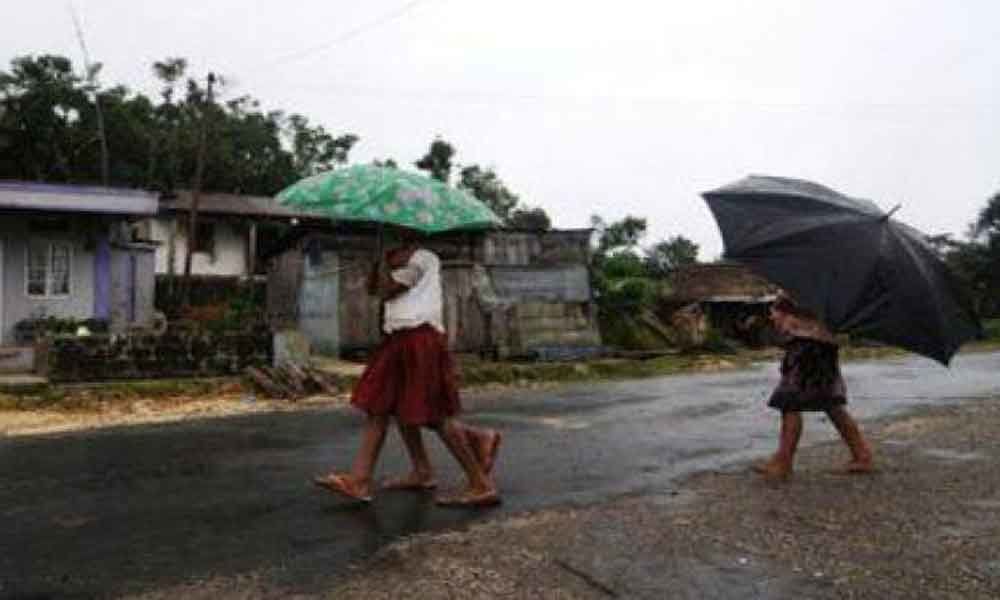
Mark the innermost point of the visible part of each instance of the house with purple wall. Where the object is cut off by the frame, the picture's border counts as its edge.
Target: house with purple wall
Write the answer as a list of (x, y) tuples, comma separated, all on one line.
[(66, 252)]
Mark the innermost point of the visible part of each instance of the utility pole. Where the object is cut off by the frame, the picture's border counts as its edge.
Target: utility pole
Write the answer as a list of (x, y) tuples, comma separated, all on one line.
[(199, 171), (91, 79)]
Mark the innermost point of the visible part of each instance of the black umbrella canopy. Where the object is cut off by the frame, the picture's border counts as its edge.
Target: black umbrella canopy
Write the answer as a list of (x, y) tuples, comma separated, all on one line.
[(848, 261)]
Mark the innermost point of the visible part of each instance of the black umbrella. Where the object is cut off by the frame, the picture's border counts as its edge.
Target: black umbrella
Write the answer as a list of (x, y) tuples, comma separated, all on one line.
[(848, 261)]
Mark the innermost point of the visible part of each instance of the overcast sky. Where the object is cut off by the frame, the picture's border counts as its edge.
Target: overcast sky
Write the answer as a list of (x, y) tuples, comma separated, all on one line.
[(609, 108)]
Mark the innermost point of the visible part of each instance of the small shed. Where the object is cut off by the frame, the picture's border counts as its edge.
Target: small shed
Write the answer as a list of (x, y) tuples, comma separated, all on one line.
[(734, 299), (506, 293)]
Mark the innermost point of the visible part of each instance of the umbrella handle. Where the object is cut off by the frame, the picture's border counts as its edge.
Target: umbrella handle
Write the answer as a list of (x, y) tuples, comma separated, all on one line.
[(379, 252)]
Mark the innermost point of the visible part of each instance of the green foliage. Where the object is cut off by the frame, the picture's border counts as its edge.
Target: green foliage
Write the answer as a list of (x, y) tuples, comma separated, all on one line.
[(988, 222), (670, 254), (716, 343), (621, 265), (48, 132), (489, 189), (529, 218), (485, 185), (28, 330), (991, 329), (625, 233), (437, 161), (976, 262), (620, 330)]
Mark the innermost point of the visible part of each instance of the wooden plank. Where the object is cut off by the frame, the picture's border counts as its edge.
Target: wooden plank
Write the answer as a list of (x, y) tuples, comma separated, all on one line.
[(265, 383)]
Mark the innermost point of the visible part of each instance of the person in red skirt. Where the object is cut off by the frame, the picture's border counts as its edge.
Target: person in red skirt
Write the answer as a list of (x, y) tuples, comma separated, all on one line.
[(810, 381), (411, 377)]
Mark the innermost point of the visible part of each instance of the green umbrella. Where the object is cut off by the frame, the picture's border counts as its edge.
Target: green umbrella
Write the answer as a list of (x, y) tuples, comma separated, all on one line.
[(387, 195)]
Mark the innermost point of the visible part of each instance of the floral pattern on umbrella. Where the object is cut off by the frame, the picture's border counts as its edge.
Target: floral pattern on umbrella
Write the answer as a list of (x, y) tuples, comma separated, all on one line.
[(387, 195)]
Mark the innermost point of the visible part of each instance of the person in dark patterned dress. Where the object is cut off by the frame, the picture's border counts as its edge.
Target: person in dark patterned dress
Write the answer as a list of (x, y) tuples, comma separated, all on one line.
[(810, 381)]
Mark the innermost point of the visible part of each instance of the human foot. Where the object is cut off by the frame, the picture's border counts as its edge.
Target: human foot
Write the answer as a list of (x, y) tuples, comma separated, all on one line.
[(344, 485), (858, 466), (774, 469), (471, 499), (414, 482)]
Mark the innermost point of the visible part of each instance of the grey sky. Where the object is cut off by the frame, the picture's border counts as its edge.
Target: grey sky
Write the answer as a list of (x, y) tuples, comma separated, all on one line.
[(603, 107)]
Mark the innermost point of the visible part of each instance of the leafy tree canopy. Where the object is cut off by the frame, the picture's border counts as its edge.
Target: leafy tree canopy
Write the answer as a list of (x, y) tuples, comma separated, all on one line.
[(668, 255), (49, 132)]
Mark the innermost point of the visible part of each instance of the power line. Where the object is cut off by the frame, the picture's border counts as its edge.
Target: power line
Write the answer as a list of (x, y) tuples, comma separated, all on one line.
[(350, 34)]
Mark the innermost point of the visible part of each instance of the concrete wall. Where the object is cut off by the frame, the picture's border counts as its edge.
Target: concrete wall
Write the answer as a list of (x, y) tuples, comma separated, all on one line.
[(17, 305), (229, 258)]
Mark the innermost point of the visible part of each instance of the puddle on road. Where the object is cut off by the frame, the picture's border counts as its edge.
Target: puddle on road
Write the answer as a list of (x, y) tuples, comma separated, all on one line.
[(952, 455)]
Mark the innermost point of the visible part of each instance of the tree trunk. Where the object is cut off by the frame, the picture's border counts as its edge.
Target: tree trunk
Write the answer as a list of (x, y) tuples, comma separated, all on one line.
[(199, 171)]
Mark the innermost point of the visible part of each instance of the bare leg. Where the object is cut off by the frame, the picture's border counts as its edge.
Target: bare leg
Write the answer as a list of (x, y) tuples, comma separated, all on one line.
[(780, 465), (358, 484), (480, 489), (847, 427), (421, 476), (485, 444)]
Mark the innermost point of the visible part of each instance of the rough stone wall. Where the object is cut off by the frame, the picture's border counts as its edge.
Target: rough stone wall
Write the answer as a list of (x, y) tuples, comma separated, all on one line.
[(180, 352)]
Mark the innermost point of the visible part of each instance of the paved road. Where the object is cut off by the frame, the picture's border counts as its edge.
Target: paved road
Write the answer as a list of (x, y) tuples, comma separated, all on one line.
[(142, 508)]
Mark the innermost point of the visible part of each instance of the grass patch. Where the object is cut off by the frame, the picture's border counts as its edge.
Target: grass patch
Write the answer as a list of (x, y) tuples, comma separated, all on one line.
[(991, 329), (593, 370)]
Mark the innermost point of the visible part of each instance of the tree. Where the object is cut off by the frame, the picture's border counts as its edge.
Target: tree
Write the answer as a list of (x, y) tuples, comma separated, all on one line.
[(976, 262), (49, 132), (388, 163), (165, 133), (314, 149), (42, 99), (988, 222), (535, 219), (670, 254), (625, 233), (437, 161), (489, 189)]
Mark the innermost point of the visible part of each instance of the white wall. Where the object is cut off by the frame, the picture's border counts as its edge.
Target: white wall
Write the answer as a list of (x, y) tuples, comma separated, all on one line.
[(229, 256), (17, 304)]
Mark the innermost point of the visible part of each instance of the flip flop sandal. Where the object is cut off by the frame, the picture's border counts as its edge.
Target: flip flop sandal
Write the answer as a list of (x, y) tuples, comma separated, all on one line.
[(468, 500), (403, 485), (340, 485)]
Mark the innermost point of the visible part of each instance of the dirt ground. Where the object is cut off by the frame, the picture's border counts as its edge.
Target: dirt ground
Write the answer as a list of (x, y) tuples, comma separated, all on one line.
[(136, 411), (925, 525)]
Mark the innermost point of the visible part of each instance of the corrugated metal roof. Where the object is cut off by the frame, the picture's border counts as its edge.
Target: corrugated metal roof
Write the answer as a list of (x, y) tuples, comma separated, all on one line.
[(233, 205), (29, 196)]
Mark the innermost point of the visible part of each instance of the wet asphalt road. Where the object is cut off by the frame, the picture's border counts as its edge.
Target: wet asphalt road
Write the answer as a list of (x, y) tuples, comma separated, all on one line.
[(143, 508)]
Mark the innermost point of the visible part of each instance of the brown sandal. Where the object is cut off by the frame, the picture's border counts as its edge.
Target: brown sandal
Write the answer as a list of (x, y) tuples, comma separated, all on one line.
[(341, 485), (470, 500)]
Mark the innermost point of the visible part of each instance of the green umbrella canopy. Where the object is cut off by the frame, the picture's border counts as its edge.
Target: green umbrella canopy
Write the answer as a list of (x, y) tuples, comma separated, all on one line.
[(370, 193)]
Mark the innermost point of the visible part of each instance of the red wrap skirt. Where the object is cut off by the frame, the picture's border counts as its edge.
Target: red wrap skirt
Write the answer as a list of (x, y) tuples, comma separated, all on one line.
[(411, 376)]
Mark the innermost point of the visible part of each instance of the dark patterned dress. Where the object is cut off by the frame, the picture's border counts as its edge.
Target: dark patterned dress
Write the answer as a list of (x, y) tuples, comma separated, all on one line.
[(810, 377)]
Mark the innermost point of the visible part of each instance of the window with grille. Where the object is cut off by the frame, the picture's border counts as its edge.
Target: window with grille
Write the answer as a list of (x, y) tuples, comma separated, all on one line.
[(49, 269)]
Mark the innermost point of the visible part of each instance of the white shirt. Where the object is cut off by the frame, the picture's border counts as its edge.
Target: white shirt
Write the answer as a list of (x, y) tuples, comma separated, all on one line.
[(422, 302)]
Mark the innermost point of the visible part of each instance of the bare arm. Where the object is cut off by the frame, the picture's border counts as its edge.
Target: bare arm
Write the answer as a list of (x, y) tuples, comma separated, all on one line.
[(381, 283)]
